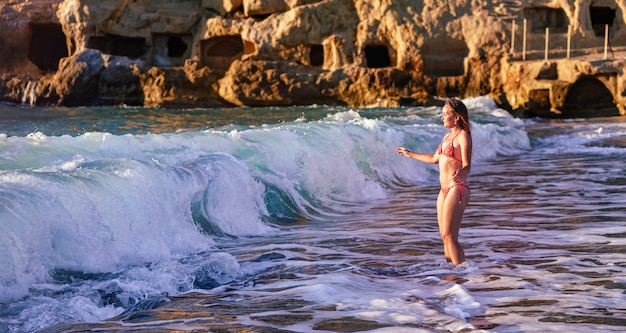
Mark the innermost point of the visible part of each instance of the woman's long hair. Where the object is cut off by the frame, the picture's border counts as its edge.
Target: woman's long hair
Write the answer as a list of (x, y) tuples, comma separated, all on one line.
[(461, 110)]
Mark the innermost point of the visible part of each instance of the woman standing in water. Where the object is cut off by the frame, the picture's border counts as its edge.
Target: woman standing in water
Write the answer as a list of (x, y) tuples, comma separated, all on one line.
[(454, 156)]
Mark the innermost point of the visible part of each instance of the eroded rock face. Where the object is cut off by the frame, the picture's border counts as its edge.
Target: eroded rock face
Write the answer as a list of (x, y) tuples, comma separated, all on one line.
[(212, 53)]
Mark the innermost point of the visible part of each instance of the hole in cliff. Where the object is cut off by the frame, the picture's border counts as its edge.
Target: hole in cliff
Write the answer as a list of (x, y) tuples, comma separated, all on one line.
[(377, 56), (47, 46), (248, 47), (443, 65), (541, 18), (219, 52), (601, 16), (260, 17), (316, 55), (176, 47), (169, 50), (448, 63), (131, 47), (588, 97)]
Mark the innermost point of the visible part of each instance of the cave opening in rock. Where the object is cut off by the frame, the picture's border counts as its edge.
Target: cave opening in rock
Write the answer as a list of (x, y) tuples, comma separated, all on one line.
[(248, 47), (316, 55), (541, 18), (588, 97), (260, 17), (131, 47), (47, 46), (601, 16), (448, 63), (377, 56), (176, 47), (219, 52), (443, 65), (170, 49)]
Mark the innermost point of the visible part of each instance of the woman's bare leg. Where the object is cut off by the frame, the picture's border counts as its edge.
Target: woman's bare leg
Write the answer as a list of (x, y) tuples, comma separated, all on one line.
[(440, 202), (449, 215)]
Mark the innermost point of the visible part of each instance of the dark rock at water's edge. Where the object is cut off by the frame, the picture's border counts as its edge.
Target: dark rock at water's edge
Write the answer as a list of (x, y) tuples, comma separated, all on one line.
[(359, 53)]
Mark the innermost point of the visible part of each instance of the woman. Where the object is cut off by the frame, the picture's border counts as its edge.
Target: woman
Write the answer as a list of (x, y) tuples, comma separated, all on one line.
[(454, 156)]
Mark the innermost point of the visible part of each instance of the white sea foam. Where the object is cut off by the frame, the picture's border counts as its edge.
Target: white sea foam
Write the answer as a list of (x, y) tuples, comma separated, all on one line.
[(319, 210)]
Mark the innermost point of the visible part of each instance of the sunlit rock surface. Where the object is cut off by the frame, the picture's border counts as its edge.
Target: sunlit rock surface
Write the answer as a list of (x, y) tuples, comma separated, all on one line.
[(210, 53)]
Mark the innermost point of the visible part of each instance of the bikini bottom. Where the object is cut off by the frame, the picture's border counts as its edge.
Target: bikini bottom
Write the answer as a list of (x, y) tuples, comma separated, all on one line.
[(461, 186)]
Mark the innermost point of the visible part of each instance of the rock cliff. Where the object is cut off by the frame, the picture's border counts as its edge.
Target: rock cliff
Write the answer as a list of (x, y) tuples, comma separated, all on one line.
[(532, 57)]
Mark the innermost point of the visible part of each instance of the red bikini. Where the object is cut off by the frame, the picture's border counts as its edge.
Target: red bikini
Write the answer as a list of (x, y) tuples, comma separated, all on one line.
[(448, 151)]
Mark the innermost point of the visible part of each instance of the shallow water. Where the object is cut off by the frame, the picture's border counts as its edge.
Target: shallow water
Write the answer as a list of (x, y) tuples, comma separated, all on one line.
[(334, 244)]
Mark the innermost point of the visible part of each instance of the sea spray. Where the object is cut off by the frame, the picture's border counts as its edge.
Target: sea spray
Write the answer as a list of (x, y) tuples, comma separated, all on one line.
[(108, 220), (86, 193)]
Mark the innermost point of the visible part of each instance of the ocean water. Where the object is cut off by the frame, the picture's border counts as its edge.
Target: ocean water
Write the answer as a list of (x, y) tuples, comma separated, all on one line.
[(305, 219)]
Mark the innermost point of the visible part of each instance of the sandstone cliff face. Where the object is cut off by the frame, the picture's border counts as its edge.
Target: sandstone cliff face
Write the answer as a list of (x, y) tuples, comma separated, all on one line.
[(210, 53)]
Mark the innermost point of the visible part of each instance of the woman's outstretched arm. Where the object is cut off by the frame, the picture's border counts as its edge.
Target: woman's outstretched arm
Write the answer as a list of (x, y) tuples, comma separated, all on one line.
[(426, 158)]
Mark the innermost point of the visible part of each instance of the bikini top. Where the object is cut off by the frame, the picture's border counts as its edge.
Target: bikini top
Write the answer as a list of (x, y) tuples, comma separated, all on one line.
[(448, 151)]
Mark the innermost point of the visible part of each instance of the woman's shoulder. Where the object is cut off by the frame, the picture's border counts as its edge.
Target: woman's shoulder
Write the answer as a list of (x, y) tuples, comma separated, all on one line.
[(464, 136)]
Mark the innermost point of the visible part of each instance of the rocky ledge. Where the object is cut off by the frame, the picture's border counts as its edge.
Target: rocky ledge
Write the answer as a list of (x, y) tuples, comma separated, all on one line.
[(546, 58)]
